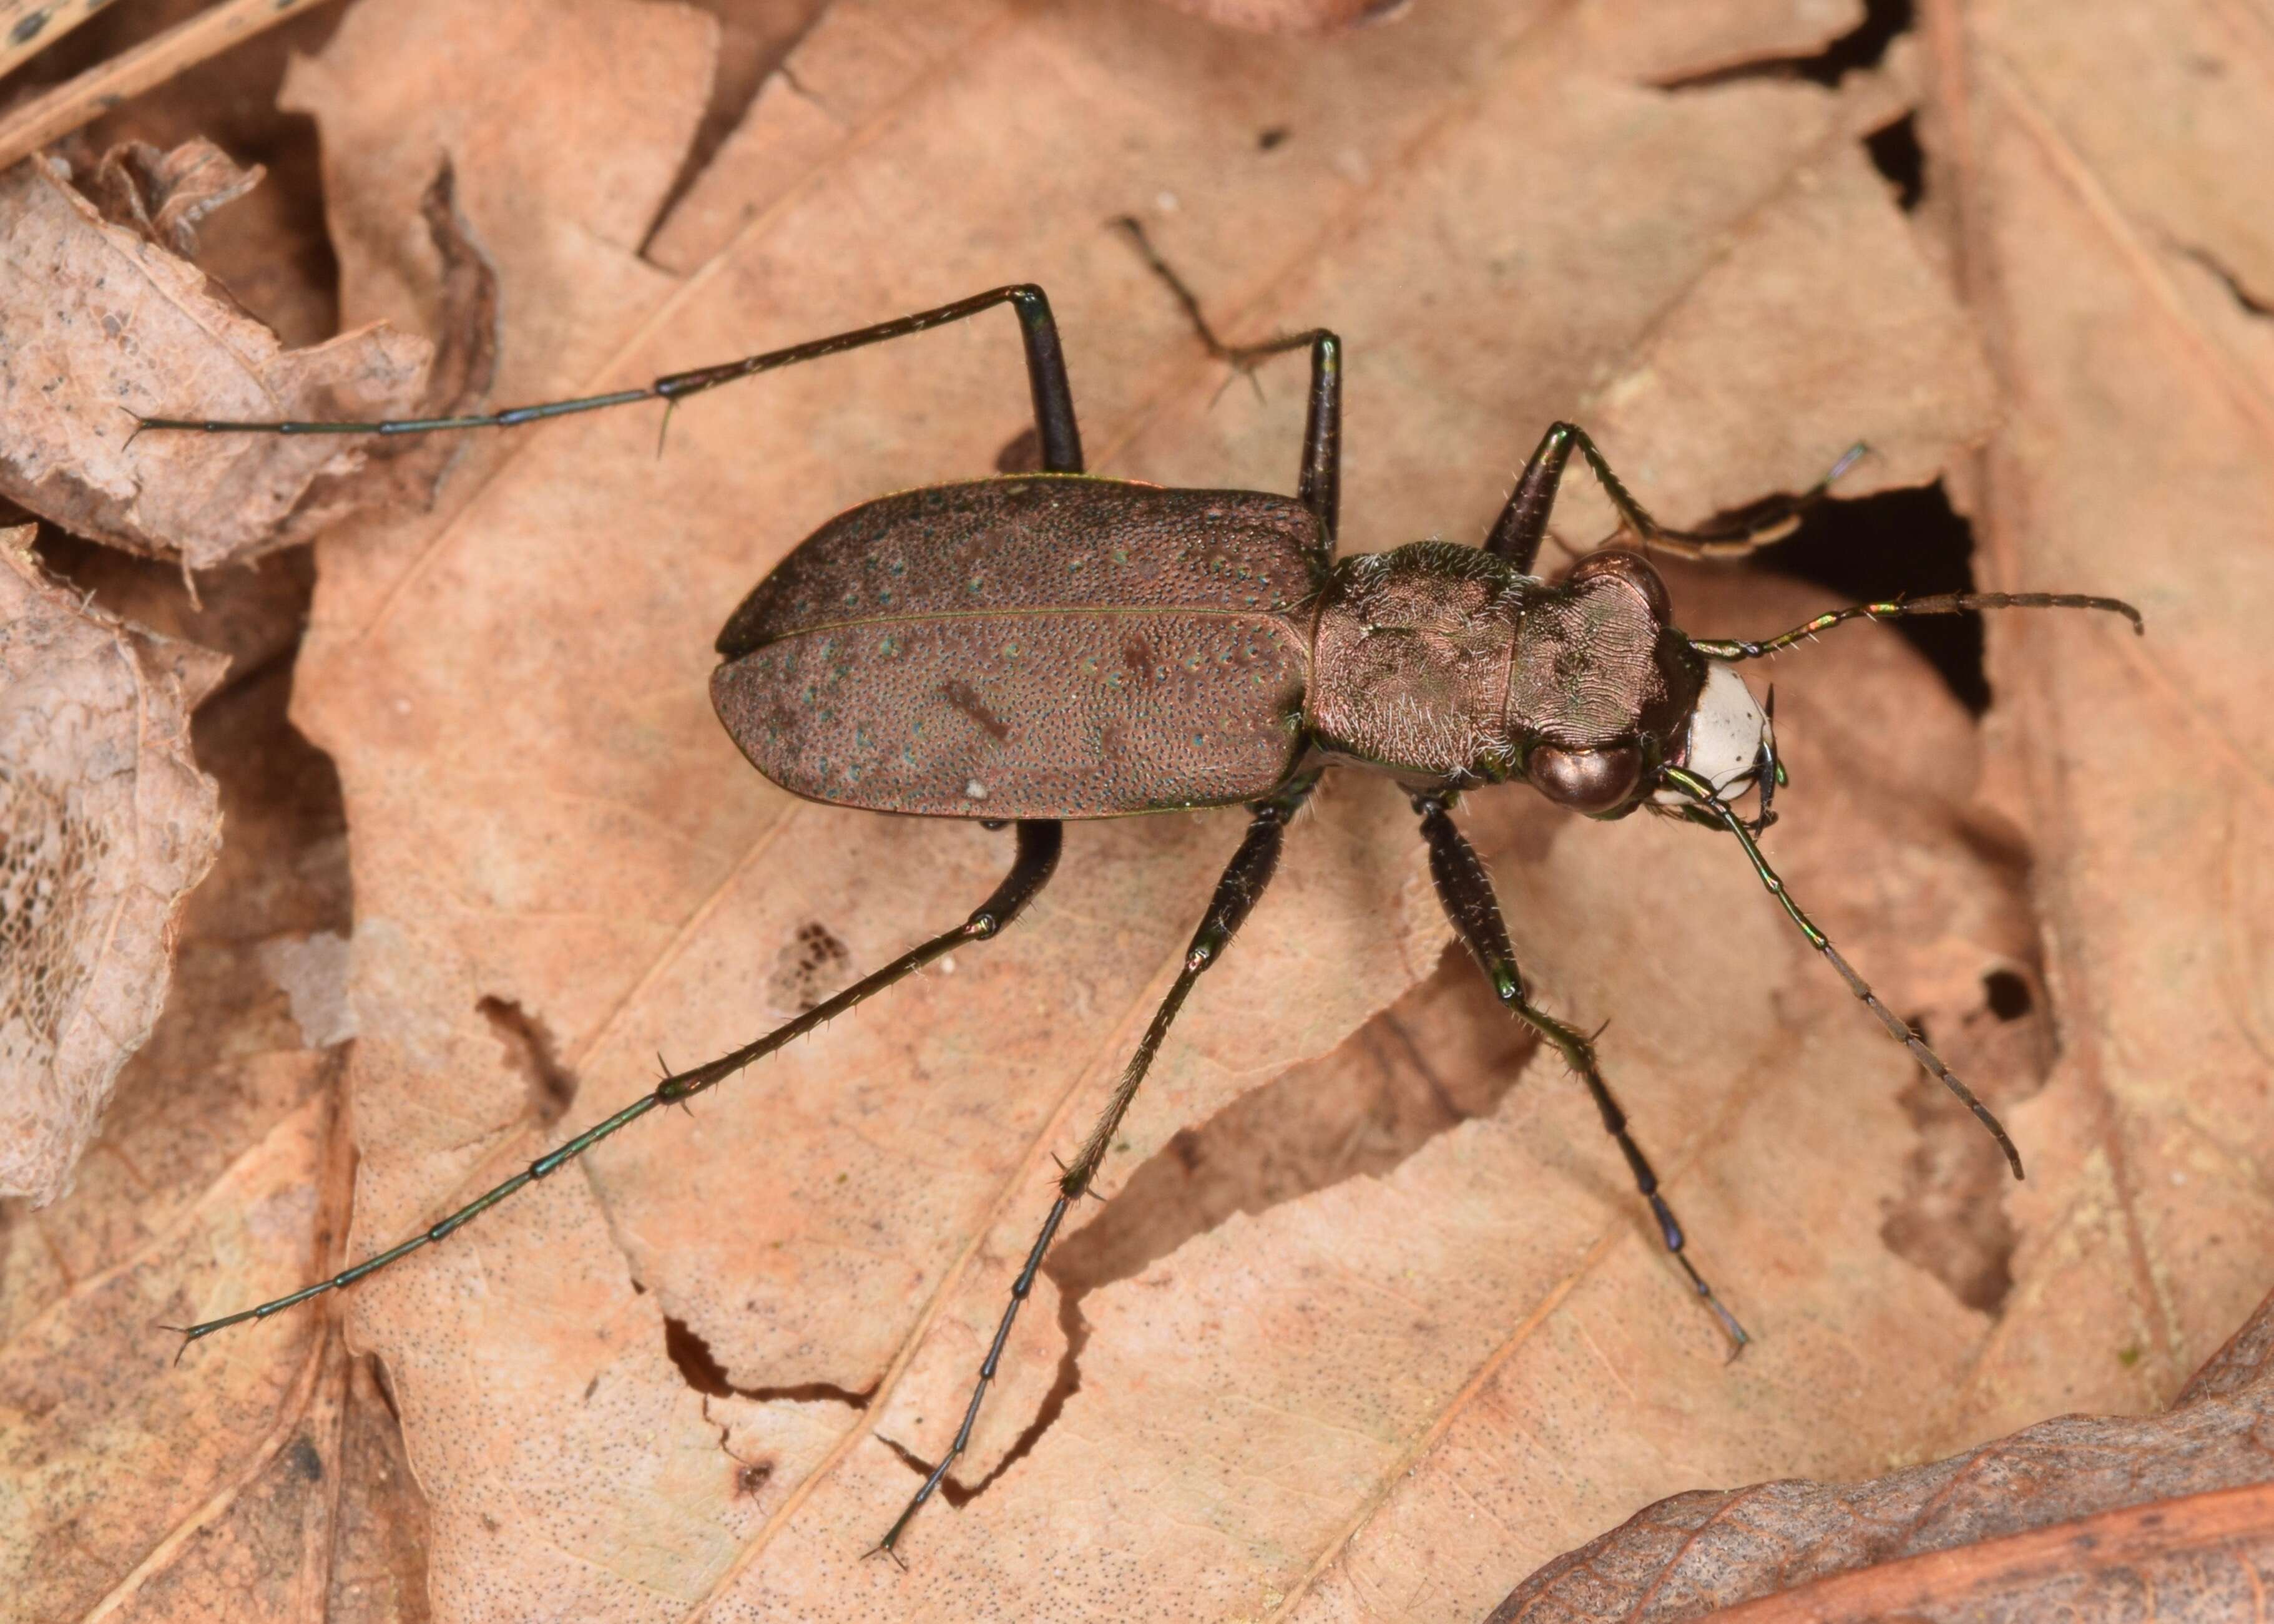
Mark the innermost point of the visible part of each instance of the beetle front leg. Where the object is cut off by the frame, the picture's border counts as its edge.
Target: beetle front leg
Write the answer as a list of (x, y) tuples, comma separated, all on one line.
[(1515, 535), (1466, 890), (1236, 894)]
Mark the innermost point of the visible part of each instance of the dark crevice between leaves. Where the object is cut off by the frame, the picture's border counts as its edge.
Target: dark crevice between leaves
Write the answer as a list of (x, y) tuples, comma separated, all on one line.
[(691, 1353), (749, 52), (1910, 543), (1861, 48), (2251, 304), (1895, 152), (529, 1047), (1441, 1055)]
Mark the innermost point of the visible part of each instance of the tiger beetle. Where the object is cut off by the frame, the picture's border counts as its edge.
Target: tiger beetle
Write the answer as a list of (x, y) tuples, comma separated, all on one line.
[(1031, 648)]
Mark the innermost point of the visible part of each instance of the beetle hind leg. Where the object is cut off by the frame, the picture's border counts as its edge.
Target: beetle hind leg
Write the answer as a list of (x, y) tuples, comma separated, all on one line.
[(1038, 331), (1465, 889), (1242, 884), (1037, 855)]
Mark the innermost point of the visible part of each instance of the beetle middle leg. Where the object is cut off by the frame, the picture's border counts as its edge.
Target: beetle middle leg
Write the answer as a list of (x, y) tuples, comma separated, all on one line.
[(1466, 890), (1516, 534), (1242, 884)]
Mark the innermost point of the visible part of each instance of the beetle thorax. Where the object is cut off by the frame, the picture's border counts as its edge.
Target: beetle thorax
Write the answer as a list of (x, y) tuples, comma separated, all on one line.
[(1411, 658), (1441, 665)]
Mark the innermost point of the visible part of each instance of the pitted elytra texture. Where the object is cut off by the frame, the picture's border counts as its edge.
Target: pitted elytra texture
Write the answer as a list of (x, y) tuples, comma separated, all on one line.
[(1034, 646)]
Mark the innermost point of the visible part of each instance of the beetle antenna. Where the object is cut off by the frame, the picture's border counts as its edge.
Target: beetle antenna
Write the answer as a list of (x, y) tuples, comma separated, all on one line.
[(1941, 603), (1703, 798)]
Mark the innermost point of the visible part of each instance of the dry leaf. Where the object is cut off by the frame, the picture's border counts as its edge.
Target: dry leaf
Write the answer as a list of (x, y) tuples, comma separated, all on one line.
[(1292, 15), (1370, 1336), (645, 891), (171, 342), (1695, 1553), (105, 823), (2114, 242), (164, 195), (280, 1491)]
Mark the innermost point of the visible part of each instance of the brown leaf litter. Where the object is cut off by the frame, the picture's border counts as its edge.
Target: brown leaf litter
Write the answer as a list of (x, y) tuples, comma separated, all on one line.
[(113, 279), (105, 824), (1369, 1326)]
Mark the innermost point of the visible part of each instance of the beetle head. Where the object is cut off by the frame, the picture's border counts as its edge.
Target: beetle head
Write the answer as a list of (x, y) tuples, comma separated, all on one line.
[(1645, 704)]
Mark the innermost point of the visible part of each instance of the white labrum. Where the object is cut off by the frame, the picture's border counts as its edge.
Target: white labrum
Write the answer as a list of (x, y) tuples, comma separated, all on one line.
[(1726, 733)]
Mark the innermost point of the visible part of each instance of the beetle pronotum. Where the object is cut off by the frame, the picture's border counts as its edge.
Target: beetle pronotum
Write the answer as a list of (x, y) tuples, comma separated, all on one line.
[(1028, 649)]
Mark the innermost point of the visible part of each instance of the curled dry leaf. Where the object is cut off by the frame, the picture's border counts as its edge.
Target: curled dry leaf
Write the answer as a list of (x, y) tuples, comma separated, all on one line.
[(282, 1495), (162, 195), (77, 283), (105, 824), (1684, 1557)]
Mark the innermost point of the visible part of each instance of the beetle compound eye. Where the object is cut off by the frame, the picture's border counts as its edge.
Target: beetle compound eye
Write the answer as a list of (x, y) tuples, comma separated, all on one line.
[(1590, 781), (1635, 570)]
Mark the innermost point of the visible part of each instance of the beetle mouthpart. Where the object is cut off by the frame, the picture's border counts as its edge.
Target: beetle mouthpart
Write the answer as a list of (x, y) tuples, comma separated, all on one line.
[(1729, 742)]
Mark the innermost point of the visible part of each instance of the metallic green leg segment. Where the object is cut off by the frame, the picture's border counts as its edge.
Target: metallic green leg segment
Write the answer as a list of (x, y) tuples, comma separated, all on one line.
[(1236, 894), (1465, 889), (1702, 796), (1037, 856)]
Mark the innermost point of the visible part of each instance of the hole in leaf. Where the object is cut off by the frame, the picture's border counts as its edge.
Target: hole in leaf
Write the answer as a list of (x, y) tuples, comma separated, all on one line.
[(2008, 994), (1861, 48), (529, 1046), (1909, 541), (691, 1353), (1896, 153)]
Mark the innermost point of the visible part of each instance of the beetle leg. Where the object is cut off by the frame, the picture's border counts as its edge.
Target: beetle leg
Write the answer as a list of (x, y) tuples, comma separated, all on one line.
[(1244, 880), (1466, 890), (1046, 380), (1516, 534), (1318, 485), (1037, 856)]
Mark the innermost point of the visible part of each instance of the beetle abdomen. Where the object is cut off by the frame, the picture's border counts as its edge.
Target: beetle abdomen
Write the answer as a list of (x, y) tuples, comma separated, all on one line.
[(1039, 646)]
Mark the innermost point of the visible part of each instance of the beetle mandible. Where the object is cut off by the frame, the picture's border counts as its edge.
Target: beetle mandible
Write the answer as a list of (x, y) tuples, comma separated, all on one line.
[(1032, 648)]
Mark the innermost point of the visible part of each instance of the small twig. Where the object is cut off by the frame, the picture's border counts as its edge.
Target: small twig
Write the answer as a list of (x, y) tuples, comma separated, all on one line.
[(29, 26), (144, 67)]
